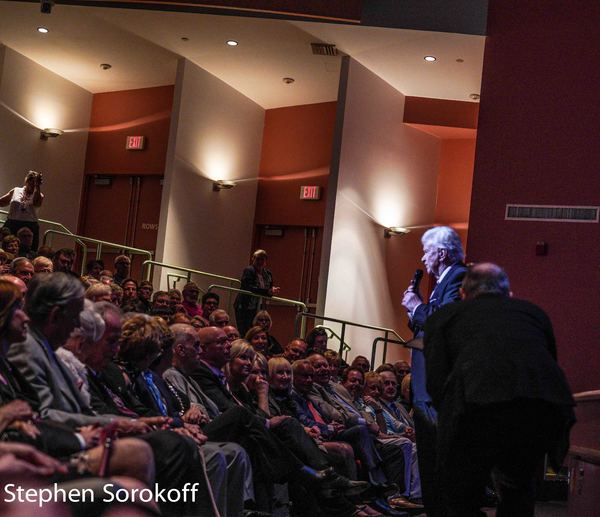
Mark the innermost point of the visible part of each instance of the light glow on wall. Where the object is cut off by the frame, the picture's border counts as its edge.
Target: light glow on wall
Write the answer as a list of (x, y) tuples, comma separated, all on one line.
[(46, 113)]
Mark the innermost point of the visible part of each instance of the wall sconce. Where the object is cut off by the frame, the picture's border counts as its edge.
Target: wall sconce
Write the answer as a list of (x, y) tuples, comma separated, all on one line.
[(50, 132), (223, 185), (395, 230)]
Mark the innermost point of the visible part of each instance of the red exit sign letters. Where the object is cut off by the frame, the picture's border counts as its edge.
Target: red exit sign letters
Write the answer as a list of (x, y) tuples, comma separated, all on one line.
[(135, 143), (310, 192)]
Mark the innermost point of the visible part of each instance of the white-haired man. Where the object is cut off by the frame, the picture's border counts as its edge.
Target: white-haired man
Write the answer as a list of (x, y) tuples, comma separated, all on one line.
[(443, 257)]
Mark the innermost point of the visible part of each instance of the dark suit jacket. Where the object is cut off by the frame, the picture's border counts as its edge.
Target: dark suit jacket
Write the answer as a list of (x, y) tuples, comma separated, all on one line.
[(213, 388), (492, 350), (250, 283)]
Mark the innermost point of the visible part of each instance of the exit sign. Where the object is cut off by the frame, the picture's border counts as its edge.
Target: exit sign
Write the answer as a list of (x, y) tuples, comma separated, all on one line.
[(135, 143), (310, 192)]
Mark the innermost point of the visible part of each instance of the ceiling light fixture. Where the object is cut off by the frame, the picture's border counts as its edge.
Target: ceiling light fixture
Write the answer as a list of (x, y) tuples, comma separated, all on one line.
[(232, 43), (43, 30), (288, 80), (105, 66), (395, 230), (50, 132), (223, 185), (430, 59), (475, 96)]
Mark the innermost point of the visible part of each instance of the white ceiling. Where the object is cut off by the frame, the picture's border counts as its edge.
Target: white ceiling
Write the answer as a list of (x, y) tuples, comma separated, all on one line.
[(143, 48)]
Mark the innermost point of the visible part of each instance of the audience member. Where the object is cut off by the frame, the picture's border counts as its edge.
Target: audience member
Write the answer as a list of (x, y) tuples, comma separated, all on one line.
[(116, 294), (25, 236), (42, 265), (360, 361), (263, 319), (106, 277), (94, 268), (62, 260), (295, 349), (45, 251), (22, 268), (23, 203), (257, 338), (130, 301), (316, 340), (11, 244), (122, 269), (144, 296), (210, 302), (218, 318), (402, 368), (17, 282), (190, 293), (257, 279), (231, 332), (503, 401), (99, 293), (336, 364)]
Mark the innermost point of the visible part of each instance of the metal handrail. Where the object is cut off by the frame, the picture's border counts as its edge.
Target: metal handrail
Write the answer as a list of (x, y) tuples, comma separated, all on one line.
[(301, 306), (386, 331), (99, 244), (54, 223), (147, 264)]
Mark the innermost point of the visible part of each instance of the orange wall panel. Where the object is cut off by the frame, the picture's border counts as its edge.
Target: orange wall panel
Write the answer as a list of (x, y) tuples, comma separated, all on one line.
[(296, 150), (116, 115)]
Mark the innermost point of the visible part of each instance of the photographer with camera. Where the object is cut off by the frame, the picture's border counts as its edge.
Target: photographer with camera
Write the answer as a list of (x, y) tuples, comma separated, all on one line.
[(23, 204)]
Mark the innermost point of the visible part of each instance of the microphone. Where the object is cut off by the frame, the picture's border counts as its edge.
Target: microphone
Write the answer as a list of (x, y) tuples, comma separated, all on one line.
[(416, 280)]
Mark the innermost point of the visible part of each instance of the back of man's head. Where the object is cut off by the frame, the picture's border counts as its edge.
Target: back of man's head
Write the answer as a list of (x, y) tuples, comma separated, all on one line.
[(44, 292), (485, 278)]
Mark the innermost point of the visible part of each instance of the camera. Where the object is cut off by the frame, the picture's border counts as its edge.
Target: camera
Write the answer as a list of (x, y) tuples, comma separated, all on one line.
[(46, 6)]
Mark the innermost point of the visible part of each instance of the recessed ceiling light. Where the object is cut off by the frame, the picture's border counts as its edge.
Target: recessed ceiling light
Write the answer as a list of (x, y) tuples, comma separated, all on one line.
[(185, 38), (232, 43), (43, 30), (475, 96), (430, 59), (460, 60), (105, 66), (288, 80)]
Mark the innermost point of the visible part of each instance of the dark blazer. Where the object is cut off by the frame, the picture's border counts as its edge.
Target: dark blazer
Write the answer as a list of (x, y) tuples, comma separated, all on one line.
[(492, 350), (250, 283), (213, 388)]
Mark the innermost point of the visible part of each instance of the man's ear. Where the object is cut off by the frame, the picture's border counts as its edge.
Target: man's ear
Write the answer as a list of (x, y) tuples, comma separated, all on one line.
[(443, 254)]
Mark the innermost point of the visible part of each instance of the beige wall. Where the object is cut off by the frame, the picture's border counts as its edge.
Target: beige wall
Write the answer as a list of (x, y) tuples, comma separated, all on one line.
[(387, 177), (216, 133), (29, 91)]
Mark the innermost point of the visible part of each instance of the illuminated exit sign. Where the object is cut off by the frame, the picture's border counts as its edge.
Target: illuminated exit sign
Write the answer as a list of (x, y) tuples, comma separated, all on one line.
[(135, 143), (310, 192)]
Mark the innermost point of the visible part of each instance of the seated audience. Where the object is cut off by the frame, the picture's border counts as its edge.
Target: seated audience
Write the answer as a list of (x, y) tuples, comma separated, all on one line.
[(144, 296), (22, 268), (176, 300), (25, 236), (122, 268), (42, 264), (257, 338), (218, 318), (160, 304), (336, 364), (116, 294), (45, 251), (130, 301), (11, 244), (190, 293), (316, 340), (210, 302), (402, 368), (106, 277), (62, 260), (99, 292), (94, 268), (360, 361), (405, 397), (231, 332), (4, 262), (263, 319), (295, 349)]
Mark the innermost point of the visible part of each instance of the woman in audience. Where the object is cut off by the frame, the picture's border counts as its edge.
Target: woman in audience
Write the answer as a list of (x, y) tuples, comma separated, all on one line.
[(4, 263), (42, 265), (10, 244), (258, 339), (257, 279), (263, 319), (23, 204)]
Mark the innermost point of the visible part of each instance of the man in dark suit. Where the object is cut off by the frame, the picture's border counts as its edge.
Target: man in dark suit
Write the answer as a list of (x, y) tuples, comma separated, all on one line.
[(442, 256), (502, 399)]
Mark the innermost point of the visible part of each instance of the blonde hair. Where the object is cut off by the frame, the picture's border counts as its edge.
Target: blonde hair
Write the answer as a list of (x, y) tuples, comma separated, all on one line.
[(276, 363)]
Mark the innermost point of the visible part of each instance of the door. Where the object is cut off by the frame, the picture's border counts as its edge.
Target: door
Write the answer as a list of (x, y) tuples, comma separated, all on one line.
[(124, 210), (294, 258)]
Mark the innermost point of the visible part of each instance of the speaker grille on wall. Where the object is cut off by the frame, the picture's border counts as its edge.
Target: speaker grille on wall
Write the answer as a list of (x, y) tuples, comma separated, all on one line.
[(567, 214)]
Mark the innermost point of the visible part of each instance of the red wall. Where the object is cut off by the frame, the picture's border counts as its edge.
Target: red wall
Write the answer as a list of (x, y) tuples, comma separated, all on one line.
[(296, 150), (116, 115), (537, 143)]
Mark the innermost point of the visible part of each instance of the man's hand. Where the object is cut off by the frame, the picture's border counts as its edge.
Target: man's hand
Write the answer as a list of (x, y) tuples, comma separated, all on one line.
[(15, 410), (409, 432), (314, 432), (411, 300), (160, 422), (132, 427), (18, 458), (194, 415), (373, 403), (90, 434), (277, 420), (27, 428)]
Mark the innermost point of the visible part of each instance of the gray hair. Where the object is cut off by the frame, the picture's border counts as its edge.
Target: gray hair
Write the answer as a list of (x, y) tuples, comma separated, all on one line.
[(48, 291), (16, 262), (446, 238), (486, 278), (92, 325), (96, 290), (103, 307)]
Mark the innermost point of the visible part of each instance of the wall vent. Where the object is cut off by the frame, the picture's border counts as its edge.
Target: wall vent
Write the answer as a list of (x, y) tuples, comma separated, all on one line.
[(324, 49), (565, 214)]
